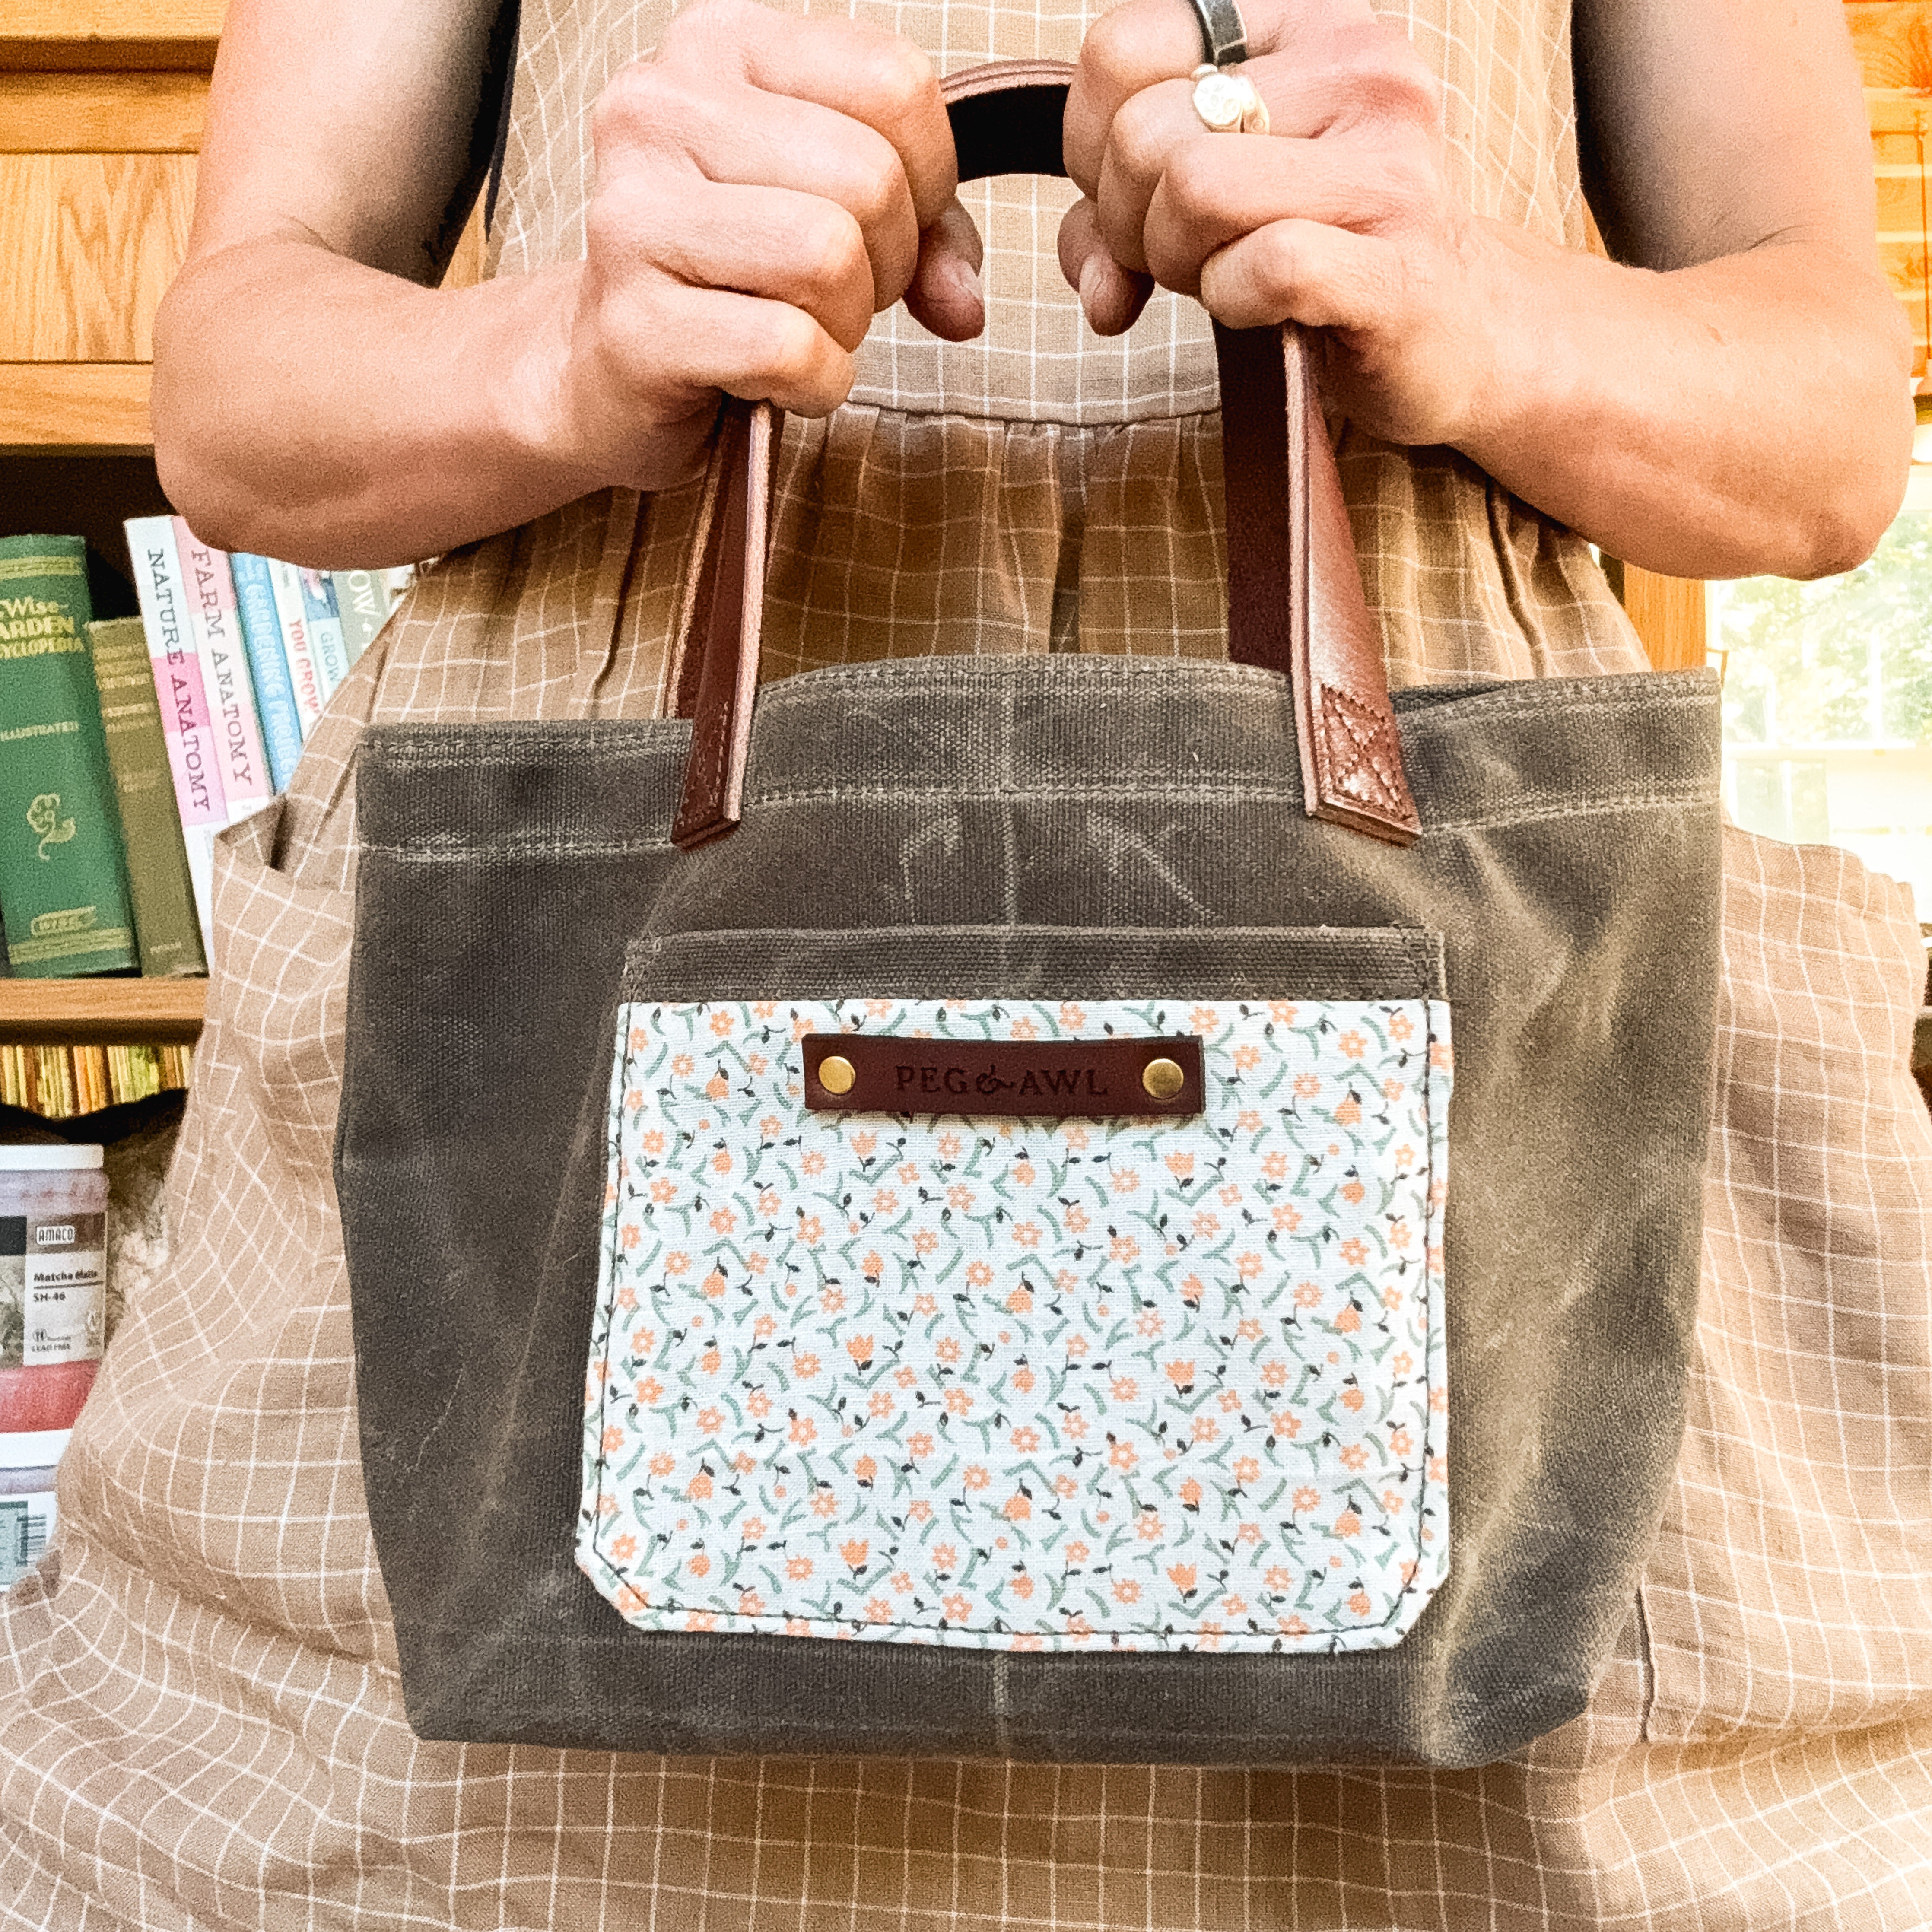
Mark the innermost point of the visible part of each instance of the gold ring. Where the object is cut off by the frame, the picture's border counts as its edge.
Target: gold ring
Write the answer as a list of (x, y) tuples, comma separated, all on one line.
[(1227, 102)]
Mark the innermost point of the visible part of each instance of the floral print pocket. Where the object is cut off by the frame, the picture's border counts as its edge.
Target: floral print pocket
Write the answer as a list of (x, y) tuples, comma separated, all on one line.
[(1156, 1384)]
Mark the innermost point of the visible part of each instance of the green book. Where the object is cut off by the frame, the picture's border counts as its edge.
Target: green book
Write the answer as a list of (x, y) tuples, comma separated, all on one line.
[(137, 751), (63, 880)]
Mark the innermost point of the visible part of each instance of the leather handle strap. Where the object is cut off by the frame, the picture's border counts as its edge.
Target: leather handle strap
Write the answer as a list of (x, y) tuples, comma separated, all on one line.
[(1294, 589)]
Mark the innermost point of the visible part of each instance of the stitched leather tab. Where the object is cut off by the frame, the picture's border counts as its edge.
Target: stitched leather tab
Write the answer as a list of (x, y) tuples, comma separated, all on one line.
[(1048, 1080), (1294, 589)]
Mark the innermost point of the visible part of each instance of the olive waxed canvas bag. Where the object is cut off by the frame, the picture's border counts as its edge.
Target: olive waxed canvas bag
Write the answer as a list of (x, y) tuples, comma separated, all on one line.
[(1068, 1208)]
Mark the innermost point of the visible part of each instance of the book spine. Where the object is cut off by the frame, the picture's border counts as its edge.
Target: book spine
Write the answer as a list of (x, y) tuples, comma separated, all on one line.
[(305, 675), (364, 600), (325, 630), (275, 689), (224, 664), (63, 875), (186, 720), (165, 924)]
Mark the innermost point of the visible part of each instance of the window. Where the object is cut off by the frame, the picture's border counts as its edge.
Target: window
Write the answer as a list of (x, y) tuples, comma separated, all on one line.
[(1828, 702)]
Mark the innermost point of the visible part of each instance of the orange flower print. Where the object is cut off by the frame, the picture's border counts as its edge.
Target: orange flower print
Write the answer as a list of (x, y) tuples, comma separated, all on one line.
[(631, 1601), (1072, 1017), (853, 1553), (1239, 1313)]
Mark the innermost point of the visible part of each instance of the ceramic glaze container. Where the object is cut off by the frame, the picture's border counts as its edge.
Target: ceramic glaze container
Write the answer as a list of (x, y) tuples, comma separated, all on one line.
[(53, 1282)]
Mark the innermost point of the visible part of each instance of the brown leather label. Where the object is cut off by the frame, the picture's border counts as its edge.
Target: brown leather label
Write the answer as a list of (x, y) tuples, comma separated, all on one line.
[(1076, 1079)]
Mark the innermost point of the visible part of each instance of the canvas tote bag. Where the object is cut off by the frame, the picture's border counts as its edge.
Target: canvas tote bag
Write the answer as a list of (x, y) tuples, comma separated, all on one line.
[(1065, 1207)]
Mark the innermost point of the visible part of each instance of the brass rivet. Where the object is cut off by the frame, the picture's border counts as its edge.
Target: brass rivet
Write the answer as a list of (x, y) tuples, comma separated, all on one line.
[(1162, 1078), (835, 1074)]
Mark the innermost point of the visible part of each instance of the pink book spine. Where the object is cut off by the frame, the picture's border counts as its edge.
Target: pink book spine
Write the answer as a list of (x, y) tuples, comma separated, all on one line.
[(187, 721), (245, 777)]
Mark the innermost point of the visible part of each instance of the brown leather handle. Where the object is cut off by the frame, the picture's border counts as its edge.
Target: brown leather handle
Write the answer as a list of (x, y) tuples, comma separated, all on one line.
[(1294, 589)]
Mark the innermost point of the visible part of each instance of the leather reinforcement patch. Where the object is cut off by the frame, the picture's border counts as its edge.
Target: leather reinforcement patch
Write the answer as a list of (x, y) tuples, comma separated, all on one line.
[(1047, 1080)]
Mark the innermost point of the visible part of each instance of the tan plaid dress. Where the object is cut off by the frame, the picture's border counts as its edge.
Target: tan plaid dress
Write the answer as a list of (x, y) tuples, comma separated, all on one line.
[(200, 1724)]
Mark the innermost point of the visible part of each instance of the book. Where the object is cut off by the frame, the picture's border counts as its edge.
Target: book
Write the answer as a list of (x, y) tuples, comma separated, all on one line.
[(186, 720), (63, 877), (166, 928), (305, 676), (245, 778), (364, 600), (269, 664), (325, 629)]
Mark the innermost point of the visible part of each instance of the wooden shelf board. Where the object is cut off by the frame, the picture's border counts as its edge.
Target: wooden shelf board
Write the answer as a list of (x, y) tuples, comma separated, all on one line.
[(44, 35), (74, 409), (101, 1012), (102, 113)]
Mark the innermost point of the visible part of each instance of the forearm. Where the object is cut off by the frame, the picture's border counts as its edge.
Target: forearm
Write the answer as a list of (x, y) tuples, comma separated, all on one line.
[(1748, 414), (309, 408)]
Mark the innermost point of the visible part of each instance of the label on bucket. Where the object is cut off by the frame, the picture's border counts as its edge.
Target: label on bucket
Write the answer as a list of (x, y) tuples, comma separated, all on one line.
[(53, 1289), (26, 1527)]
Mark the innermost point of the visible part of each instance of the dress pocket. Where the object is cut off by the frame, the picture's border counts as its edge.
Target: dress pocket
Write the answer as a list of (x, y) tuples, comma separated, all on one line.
[(1026, 1380)]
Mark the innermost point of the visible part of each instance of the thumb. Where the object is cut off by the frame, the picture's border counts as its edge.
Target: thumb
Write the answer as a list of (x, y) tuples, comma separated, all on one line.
[(1112, 296), (946, 295)]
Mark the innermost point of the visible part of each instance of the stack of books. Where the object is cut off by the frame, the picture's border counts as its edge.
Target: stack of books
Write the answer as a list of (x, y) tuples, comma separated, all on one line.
[(126, 746)]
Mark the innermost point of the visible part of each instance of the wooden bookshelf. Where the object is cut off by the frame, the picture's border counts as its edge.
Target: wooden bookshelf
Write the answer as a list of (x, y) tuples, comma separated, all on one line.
[(101, 1012)]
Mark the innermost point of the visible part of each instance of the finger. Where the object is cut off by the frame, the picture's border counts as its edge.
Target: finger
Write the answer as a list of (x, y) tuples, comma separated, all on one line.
[(1303, 272), (848, 67), (731, 133), (1224, 186), (1151, 128), (713, 339), (1141, 43), (776, 243), (946, 295), (1111, 296)]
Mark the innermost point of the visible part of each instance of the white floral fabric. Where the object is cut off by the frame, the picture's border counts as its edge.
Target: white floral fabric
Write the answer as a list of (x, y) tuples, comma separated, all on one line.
[(1156, 1383)]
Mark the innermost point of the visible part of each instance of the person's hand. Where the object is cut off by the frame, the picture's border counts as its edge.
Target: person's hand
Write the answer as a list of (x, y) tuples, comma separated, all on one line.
[(1341, 217), (765, 184)]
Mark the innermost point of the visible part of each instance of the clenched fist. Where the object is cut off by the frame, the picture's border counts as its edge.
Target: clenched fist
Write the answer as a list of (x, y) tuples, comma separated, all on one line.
[(765, 184)]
